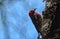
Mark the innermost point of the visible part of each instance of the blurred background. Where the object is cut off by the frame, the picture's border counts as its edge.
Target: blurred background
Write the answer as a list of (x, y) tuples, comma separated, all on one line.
[(15, 22)]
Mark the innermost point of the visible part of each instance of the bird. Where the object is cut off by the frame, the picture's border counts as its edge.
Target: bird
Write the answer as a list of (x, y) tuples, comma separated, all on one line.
[(36, 20)]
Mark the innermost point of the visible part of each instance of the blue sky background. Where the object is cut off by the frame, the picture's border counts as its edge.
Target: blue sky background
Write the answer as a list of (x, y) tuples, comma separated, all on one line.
[(15, 22)]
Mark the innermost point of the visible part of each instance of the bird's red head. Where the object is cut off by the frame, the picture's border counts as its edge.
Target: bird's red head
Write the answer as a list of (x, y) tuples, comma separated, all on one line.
[(32, 12)]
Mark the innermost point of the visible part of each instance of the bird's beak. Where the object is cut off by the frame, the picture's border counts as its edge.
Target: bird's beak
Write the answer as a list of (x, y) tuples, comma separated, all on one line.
[(35, 9)]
